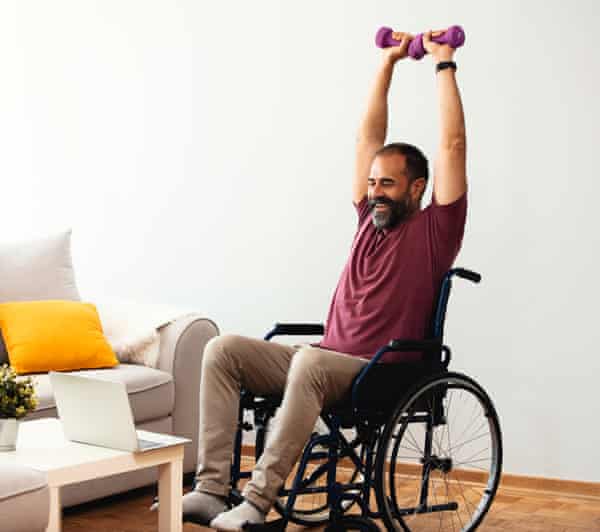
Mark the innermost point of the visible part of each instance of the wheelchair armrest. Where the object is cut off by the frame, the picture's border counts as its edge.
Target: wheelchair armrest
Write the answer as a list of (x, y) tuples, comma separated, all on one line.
[(394, 345), (414, 345), (296, 329)]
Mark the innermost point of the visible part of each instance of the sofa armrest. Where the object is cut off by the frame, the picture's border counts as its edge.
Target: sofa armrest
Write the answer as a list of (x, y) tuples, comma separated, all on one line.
[(182, 345)]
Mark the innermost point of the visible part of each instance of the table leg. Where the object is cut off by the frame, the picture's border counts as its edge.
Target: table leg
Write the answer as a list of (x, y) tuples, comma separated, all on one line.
[(170, 492), (55, 517)]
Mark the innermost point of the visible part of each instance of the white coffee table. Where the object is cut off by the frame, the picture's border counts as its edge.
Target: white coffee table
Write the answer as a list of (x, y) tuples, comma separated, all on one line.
[(42, 446)]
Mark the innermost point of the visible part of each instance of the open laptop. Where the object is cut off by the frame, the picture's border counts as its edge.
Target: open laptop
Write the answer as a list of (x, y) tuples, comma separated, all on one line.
[(97, 412)]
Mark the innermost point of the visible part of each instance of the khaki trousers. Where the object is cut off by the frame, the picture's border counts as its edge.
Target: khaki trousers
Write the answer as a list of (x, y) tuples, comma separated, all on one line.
[(309, 378)]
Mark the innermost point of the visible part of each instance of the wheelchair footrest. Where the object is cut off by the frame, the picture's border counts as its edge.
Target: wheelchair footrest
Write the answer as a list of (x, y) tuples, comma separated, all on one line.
[(270, 526)]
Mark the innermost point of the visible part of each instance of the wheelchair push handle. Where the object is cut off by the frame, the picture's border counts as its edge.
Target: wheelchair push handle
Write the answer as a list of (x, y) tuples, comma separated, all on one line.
[(467, 274)]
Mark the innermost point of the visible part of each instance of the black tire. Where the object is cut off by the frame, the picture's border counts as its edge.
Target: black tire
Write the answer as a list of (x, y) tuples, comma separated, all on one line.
[(353, 522), (429, 417)]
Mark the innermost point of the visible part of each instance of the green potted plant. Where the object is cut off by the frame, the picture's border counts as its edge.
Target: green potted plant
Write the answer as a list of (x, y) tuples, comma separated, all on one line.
[(17, 399)]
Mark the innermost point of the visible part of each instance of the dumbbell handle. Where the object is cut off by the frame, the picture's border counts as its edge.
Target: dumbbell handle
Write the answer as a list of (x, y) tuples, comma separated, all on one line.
[(453, 36)]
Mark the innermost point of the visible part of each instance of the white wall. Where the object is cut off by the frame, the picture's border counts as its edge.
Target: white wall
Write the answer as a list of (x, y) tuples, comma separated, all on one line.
[(203, 152)]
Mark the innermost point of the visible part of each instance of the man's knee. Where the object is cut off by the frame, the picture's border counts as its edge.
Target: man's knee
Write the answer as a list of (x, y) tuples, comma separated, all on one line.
[(220, 350), (307, 364)]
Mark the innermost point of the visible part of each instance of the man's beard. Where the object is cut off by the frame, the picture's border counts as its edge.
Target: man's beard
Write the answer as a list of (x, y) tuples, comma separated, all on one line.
[(396, 212)]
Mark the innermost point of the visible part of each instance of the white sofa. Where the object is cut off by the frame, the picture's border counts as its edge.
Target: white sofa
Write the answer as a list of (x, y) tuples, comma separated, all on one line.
[(163, 397)]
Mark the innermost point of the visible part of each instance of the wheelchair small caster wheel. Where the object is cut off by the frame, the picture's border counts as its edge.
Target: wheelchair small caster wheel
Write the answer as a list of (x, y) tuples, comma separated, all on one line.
[(346, 524)]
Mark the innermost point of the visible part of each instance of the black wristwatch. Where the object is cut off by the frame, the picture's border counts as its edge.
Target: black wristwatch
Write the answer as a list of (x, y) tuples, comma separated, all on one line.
[(445, 64)]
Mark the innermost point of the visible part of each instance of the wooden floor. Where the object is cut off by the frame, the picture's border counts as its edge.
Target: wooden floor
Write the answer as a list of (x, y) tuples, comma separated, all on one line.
[(517, 511)]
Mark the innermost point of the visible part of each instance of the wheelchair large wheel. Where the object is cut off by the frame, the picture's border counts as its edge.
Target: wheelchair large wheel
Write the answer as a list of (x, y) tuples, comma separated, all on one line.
[(310, 509), (439, 460)]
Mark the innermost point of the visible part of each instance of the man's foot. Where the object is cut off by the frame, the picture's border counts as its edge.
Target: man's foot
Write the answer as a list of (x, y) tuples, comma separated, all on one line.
[(201, 508), (235, 519)]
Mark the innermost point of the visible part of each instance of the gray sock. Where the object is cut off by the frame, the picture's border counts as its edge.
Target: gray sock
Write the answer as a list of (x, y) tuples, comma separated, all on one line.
[(235, 519), (201, 508)]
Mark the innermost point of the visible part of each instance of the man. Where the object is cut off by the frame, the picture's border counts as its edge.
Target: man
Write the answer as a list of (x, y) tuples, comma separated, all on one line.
[(387, 290)]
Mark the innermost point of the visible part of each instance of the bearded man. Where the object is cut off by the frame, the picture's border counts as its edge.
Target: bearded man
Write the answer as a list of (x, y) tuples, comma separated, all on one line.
[(387, 289)]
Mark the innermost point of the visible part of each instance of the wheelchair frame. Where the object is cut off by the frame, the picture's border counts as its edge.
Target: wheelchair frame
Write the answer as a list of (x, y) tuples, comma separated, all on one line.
[(369, 425)]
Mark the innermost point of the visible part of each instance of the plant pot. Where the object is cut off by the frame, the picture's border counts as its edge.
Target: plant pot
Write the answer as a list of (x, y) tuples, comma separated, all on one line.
[(9, 430)]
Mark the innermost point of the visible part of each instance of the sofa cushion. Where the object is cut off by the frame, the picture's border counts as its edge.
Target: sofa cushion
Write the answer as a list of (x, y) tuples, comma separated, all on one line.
[(151, 391), (24, 499), (54, 336), (36, 270)]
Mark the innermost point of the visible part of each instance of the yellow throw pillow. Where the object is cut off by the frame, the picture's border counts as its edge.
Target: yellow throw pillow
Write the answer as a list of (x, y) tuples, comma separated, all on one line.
[(54, 335)]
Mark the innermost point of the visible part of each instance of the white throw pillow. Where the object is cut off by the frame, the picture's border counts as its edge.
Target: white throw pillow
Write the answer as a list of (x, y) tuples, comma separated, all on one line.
[(37, 270), (132, 328)]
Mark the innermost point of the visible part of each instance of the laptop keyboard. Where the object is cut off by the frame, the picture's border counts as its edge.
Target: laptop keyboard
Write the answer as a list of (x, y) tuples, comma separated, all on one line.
[(147, 444)]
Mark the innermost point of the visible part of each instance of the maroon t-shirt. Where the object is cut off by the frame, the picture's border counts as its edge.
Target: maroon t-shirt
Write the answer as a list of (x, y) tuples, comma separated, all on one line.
[(389, 286)]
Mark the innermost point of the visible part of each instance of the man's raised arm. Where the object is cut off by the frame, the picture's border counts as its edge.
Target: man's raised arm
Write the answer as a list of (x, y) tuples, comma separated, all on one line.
[(450, 174), (373, 128)]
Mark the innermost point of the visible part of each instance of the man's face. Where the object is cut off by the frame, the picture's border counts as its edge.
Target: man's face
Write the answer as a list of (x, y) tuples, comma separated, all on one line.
[(389, 194)]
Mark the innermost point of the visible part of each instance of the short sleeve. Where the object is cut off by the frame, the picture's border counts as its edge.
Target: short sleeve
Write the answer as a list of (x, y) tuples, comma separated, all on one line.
[(362, 209), (447, 227)]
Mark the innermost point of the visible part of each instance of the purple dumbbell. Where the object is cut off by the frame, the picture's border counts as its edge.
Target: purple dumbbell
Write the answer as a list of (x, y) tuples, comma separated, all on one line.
[(454, 36)]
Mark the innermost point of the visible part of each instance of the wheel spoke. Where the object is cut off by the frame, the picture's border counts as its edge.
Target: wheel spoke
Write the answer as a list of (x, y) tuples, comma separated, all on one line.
[(473, 420), (455, 511), (473, 461), (479, 436), (436, 500), (473, 456), (462, 493), (417, 446), (438, 442)]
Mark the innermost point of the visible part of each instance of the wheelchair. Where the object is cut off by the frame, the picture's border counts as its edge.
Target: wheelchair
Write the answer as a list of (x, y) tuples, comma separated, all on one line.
[(415, 445)]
